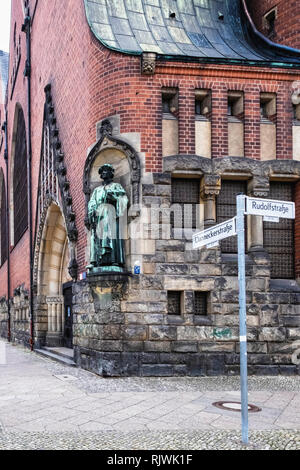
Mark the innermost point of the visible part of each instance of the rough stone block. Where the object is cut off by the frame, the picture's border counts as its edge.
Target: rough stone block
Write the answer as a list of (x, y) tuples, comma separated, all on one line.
[(269, 319), (215, 364), (216, 347), (135, 333), (272, 334), (188, 283), (170, 245), (194, 333), (145, 318), (133, 346), (157, 346), (196, 365), (162, 332), (178, 269), (175, 257), (184, 346), (152, 282), (289, 320), (293, 333), (157, 370), (205, 269)]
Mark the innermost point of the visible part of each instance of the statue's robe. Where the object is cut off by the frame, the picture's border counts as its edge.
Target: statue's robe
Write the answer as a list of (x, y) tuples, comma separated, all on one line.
[(108, 203)]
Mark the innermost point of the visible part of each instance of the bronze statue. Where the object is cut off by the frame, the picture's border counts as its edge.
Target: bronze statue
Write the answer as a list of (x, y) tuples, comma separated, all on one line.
[(107, 204)]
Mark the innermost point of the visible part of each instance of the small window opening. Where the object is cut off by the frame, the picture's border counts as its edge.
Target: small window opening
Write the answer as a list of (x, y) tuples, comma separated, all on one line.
[(203, 104), (235, 104), (200, 303), (170, 101), (268, 106), (174, 302), (269, 22)]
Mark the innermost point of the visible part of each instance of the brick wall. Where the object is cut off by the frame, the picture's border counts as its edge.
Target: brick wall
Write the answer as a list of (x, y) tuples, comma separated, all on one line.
[(287, 29)]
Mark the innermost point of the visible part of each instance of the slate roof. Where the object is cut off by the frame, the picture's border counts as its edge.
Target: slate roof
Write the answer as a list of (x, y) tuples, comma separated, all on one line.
[(206, 30), (4, 56)]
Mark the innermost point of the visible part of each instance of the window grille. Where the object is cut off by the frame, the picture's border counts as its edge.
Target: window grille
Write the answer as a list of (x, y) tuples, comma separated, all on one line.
[(200, 303), (226, 209), (20, 180), (3, 226), (186, 195), (279, 237), (174, 302), (48, 176)]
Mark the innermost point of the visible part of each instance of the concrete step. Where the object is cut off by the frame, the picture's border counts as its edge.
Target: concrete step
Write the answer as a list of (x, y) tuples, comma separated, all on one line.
[(62, 358), (61, 351)]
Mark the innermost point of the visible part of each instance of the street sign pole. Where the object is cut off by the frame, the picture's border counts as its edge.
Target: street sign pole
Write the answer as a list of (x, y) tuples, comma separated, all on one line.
[(240, 224)]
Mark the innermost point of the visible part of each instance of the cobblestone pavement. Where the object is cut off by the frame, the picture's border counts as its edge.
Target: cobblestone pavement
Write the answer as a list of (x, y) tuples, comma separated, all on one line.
[(45, 405)]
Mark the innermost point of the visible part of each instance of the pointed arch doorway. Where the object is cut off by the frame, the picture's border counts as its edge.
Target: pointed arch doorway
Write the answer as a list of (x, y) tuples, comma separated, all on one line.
[(54, 281)]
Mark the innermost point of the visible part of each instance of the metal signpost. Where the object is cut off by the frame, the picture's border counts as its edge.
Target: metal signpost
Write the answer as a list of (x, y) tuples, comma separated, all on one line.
[(271, 210)]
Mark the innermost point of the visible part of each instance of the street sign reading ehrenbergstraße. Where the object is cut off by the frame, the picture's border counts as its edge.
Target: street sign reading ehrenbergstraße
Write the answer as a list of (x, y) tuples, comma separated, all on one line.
[(212, 235), (270, 208)]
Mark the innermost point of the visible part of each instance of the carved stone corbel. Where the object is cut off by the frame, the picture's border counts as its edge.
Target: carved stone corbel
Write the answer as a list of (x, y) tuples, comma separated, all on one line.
[(258, 186), (148, 63)]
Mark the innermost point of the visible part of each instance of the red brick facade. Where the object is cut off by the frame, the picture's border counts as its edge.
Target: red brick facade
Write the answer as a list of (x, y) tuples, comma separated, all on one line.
[(286, 23)]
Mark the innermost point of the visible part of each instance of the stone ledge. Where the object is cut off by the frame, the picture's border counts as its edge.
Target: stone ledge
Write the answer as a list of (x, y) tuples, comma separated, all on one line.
[(112, 277)]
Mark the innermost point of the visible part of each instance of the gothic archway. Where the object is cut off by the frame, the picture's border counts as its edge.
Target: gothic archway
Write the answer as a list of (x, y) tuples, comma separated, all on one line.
[(52, 276)]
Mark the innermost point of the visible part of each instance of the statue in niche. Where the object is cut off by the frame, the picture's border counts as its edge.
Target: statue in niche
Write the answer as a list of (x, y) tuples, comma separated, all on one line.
[(105, 208)]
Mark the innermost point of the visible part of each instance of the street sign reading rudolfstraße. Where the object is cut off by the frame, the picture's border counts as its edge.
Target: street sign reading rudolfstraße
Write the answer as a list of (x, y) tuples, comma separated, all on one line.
[(270, 208), (214, 234)]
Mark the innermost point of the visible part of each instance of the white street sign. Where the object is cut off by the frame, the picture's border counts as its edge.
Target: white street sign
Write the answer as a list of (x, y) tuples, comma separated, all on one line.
[(268, 218), (270, 208), (211, 235)]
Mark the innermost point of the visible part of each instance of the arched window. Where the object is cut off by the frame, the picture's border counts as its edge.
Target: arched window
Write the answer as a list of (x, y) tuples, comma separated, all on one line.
[(20, 180), (3, 225)]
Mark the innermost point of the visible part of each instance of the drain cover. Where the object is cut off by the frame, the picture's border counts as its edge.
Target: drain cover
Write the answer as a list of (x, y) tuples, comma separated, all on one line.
[(235, 406)]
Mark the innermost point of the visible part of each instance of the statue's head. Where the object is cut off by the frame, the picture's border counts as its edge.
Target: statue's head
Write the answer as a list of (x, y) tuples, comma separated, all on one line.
[(107, 171)]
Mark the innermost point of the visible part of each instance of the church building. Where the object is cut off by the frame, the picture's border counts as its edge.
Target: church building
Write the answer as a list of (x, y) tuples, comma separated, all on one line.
[(126, 127)]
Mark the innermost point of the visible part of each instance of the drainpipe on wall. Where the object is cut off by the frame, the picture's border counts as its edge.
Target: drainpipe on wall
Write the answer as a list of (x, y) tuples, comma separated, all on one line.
[(26, 28), (4, 128)]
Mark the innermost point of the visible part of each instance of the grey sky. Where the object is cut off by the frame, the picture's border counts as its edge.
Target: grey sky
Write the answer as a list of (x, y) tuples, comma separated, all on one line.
[(4, 24)]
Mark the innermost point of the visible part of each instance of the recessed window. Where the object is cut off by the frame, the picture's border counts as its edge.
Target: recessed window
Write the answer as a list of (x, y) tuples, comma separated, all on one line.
[(267, 106), (269, 20), (200, 307), (203, 104), (296, 112), (170, 101), (279, 237), (20, 180), (174, 302), (186, 198), (235, 104)]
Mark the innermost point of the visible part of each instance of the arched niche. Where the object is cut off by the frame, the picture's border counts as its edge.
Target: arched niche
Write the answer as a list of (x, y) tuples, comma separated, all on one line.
[(124, 159), (53, 254), (120, 163)]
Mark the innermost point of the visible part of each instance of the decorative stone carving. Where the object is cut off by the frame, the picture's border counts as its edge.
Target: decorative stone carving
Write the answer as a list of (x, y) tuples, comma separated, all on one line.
[(148, 63), (65, 199), (210, 185), (259, 186)]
